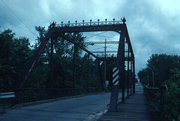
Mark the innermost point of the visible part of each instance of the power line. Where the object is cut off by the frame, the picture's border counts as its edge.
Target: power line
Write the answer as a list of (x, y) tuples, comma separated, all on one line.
[(11, 10)]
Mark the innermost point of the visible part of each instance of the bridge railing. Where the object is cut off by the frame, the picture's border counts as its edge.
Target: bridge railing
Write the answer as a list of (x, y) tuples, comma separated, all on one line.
[(156, 98), (36, 94), (90, 23)]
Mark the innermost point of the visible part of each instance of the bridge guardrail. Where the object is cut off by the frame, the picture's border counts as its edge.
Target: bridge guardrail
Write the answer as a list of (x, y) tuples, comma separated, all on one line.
[(6, 98), (9, 99), (151, 94), (35, 94)]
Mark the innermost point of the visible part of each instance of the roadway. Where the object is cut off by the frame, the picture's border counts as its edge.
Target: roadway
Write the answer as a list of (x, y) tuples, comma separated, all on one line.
[(83, 108)]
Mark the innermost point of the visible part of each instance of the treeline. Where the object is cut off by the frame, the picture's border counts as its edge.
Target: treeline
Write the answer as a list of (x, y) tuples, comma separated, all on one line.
[(164, 70), (68, 67)]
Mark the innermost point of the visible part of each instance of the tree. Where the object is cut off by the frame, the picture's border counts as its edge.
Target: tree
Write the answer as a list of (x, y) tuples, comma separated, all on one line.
[(13, 53), (160, 65), (166, 70), (65, 65)]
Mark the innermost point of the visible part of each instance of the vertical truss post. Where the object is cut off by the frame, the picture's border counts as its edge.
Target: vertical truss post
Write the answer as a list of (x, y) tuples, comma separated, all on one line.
[(114, 98), (128, 74), (105, 63), (125, 78), (88, 71), (74, 66), (120, 66), (133, 75), (121, 61)]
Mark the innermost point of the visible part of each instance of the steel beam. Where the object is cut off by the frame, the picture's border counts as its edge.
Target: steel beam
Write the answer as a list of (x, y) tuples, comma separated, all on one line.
[(120, 66), (33, 60), (70, 40), (90, 28), (108, 42), (114, 58), (128, 41), (128, 71), (103, 51), (121, 60), (134, 75)]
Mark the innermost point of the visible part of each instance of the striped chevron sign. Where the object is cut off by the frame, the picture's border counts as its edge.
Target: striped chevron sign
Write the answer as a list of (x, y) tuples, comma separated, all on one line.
[(115, 79)]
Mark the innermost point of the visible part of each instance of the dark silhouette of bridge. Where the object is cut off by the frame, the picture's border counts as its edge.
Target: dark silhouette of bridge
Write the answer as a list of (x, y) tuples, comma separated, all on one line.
[(124, 71), (125, 55)]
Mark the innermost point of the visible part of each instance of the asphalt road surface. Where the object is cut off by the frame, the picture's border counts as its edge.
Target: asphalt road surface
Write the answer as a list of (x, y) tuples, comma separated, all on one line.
[(83, 108)]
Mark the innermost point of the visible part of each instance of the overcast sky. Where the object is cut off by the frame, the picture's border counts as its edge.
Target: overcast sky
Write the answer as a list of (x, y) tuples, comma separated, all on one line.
[(153, 25)]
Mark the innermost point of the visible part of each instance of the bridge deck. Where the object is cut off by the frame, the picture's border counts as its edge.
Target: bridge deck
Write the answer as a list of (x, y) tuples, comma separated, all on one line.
[(82, 108), (134, 109)]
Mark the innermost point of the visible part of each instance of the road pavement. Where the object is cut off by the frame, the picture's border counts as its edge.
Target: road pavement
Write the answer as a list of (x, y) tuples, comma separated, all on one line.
[(83, 108)]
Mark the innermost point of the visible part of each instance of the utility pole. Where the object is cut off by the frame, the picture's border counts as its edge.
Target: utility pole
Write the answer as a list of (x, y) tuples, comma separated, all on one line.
[(51, 66), (88, 71), (105, 47), (74, 66)]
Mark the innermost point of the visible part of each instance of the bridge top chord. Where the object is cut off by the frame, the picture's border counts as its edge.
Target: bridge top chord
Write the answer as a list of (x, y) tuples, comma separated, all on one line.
[(90, 23), (90, 26)]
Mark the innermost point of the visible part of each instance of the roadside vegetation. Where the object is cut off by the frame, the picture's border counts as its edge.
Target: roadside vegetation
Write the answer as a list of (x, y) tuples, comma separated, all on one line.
[(163, 70)]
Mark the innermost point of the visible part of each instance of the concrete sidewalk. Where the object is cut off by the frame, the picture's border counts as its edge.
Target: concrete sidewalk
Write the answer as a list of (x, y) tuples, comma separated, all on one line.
[(134, 109)]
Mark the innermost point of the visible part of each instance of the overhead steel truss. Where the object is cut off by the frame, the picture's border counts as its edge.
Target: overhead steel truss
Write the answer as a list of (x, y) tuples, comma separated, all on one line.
[(89, 26), (107, 42), (120, 27)]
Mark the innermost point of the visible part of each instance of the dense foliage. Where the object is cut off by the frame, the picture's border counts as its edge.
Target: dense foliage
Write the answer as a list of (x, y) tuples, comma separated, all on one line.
[(70, 67), (13, 52), (166, 69)]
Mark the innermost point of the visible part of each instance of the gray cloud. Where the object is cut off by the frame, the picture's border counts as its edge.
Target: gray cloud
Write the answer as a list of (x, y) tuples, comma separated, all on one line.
[(153, 25)]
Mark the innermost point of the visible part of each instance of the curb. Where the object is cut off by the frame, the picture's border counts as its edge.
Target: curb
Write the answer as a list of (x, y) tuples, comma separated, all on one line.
[(95, 117)]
